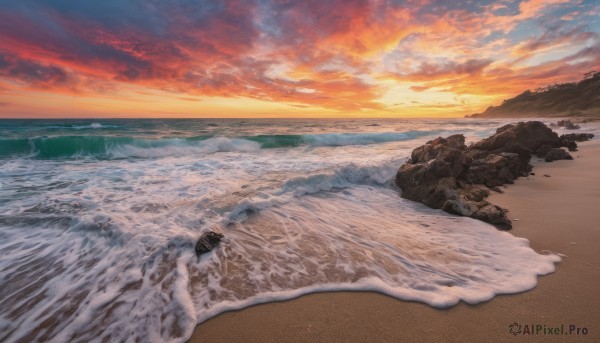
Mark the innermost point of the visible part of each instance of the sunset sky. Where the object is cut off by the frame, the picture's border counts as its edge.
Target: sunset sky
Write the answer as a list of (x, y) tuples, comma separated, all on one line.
[(286, 58)]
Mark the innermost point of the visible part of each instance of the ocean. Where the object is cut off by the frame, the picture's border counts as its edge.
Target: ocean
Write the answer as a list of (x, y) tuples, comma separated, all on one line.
[(99, 218)]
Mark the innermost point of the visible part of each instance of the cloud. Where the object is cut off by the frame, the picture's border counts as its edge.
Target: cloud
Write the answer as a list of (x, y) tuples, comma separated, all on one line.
[(188, 99), (348, 53), (32, 73), (505, 81), (419, 88), (448, 69), (532, 8), (555, 36)]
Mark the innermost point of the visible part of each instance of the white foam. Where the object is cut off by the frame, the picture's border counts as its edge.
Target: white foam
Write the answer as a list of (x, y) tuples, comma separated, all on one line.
[(344, 176), (92, 126), (365, 239), (341, 139), (183, 148)]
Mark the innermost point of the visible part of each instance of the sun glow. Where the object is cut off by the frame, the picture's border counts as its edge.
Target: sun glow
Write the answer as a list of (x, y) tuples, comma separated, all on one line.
[(302, 59)]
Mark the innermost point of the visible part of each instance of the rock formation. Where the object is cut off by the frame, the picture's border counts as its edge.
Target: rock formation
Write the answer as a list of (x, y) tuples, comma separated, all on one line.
[(567, 124), (446, 174), (555, 154), (577, 137), (207, 242)]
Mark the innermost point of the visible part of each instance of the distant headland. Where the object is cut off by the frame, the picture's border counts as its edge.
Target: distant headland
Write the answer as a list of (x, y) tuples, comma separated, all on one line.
[(576, 99)]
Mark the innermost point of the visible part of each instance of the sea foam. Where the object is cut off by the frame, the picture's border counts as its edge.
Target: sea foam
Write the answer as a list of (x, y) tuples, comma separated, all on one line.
[(102, 248), (363, 237)]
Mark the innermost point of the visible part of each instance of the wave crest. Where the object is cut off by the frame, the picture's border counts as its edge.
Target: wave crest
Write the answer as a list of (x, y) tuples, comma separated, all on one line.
[(119, 147), (340, 178), (126, 146)]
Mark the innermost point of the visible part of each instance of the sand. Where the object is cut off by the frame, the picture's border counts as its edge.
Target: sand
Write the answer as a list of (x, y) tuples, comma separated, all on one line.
[(560, 213)]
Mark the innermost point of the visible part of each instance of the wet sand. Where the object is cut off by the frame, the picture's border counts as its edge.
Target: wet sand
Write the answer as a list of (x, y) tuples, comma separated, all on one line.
[(560, 213)]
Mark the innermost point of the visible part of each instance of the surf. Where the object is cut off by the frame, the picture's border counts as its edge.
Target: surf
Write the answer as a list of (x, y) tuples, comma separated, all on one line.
[(98, 146)]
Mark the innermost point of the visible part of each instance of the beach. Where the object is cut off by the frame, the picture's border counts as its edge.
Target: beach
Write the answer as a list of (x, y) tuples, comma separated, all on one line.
[(100, 221), (299, 171), (557, 214)]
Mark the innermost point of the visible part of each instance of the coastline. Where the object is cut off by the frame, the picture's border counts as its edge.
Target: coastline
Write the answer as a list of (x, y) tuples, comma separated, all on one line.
[(553, 213)]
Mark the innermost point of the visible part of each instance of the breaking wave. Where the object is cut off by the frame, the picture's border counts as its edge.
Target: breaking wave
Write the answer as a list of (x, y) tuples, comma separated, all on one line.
[(124, 146)]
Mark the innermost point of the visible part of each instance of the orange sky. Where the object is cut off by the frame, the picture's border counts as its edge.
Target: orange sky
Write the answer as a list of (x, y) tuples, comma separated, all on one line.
[(286, 58)]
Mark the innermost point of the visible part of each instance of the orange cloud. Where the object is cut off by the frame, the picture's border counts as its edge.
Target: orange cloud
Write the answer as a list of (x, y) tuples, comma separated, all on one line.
[(352, 56)]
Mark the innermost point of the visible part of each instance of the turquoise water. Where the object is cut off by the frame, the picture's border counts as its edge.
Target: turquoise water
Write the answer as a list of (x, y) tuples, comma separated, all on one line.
[(98, 220), (104, 139)]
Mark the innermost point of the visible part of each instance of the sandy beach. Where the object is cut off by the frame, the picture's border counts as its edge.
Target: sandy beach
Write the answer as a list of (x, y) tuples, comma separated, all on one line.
[(557, 214)]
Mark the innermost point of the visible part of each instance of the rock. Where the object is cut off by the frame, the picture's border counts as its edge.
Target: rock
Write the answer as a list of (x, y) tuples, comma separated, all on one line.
[(444, 173), (571, 145), (497, 190), (567, 124), (431, 172), (543, 150), (469, 201), (546, 175), (504, 128), (497, 141), (207, 242), (557, 154), (562, 123), (494, 215), (521, 138), (572, 127), (531, 135), (577, 137), (495, 170)]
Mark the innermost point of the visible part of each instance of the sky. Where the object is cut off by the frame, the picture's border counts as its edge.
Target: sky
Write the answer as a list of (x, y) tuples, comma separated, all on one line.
[(286, 58)]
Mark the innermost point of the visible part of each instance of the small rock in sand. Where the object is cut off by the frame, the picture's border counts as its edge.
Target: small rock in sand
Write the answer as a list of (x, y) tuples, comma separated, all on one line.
[(208, 241)]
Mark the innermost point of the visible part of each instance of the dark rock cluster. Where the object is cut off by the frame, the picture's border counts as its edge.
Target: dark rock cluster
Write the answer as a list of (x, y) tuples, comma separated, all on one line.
[(446, 174), (567, 124), (577, 137), (207, 242), (552, 154)]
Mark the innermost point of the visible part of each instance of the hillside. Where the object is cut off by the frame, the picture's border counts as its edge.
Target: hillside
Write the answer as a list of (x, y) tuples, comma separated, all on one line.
[(560, 100)]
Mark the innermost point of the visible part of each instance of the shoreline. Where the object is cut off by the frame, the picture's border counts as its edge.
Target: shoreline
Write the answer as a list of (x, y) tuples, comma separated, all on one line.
[(559, 221)]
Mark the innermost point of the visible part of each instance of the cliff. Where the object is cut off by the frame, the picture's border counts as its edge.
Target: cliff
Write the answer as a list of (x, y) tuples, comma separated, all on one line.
[(559, 100)]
